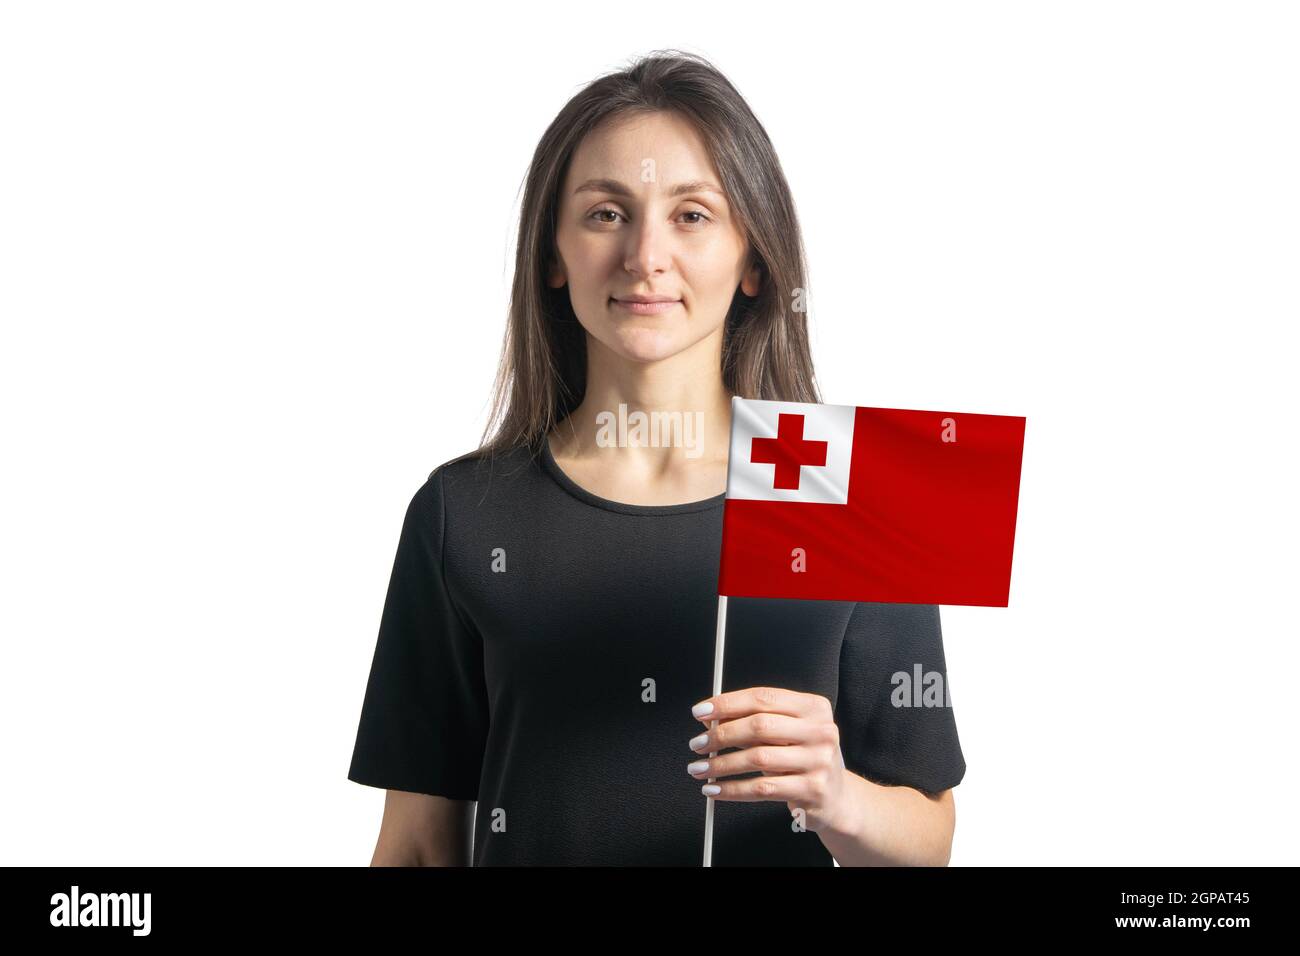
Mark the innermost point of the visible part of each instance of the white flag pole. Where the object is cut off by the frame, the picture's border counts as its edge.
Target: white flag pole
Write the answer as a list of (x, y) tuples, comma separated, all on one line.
[(718, 648)]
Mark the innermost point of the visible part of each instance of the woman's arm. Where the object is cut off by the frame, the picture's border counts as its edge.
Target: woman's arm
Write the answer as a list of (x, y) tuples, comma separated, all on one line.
[(419, 829), (892, 826)]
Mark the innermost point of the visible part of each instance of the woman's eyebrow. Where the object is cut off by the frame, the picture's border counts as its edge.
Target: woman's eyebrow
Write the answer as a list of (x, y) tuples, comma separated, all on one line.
[(614, 187)]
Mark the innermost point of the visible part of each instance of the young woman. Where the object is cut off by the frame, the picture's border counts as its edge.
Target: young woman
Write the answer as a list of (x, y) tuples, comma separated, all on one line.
[(545, 653)]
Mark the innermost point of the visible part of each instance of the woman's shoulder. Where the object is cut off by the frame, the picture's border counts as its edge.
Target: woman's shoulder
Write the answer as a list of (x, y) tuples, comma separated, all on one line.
[(483, 474)]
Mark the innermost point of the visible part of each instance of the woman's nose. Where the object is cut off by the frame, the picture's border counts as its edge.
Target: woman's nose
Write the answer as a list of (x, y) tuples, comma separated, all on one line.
[(647, 249)]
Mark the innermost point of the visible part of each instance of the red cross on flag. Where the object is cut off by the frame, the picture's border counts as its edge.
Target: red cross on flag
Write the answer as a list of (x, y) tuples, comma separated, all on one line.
[(845, 503)]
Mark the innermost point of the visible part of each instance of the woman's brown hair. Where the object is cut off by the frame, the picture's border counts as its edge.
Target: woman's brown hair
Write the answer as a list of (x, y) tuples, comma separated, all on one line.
[(541, 376)]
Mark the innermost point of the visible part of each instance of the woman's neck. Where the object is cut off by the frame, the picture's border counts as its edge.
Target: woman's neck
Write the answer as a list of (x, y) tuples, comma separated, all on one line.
[(642, 450)]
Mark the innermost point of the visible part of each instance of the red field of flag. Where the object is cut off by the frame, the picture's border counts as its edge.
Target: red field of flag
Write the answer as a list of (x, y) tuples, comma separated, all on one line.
[(835, 502)]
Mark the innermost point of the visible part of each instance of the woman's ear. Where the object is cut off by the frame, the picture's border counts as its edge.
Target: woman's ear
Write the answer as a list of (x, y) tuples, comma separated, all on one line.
[(752, 280), (555, 277)]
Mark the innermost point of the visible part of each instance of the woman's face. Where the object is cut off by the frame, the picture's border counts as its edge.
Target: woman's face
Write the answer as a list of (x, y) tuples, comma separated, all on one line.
[(641, 214)]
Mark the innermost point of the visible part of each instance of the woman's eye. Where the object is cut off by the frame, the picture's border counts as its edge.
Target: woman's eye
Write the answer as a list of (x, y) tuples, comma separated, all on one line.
[(610, 212)]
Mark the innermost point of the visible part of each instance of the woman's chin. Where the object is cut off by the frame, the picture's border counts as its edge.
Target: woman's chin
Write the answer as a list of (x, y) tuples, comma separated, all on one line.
[(646, 356), (647, 345)]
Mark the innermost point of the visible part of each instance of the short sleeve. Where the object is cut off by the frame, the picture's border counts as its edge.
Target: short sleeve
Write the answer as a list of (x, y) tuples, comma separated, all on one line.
[(424, 718), (894, 709)]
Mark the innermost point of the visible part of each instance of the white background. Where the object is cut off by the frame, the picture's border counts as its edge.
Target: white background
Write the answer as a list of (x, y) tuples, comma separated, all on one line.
[(254, 260)]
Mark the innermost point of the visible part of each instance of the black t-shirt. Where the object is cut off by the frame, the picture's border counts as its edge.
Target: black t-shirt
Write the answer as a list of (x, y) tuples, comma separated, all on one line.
[(540, 649)]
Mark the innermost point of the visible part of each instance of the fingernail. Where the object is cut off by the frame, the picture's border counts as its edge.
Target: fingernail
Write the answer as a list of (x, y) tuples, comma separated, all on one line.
[(711, 789), (698, 766), (702, 708), (698, 742)]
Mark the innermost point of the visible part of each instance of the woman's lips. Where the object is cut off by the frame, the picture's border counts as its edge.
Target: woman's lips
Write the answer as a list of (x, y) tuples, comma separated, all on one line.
[(645, 308)]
